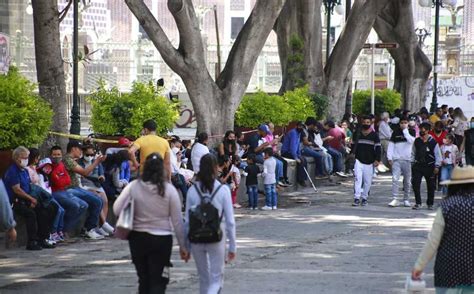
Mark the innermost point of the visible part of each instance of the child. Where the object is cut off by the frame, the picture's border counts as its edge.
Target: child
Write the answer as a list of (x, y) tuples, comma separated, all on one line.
[(236, 179), (117, 173), (224, 171), (450, 155), (269, 180), (251, 172)]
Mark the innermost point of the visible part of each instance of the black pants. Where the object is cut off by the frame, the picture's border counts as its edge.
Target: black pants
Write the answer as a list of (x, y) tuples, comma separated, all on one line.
[(39, 220), (300, 168), (417, 173), (285, 166), (150, 255)]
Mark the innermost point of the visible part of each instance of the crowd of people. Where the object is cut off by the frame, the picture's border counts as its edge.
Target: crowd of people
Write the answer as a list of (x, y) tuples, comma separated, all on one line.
[(53, 193)]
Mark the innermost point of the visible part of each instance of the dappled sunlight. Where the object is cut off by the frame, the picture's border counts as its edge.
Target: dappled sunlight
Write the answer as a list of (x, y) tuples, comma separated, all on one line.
[(109, 262)]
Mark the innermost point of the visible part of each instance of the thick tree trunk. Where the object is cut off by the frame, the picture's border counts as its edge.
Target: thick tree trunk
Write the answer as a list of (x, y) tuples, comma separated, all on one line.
[(395, 24), (49, 64), (303, 19), (347, 49), (214, 102)]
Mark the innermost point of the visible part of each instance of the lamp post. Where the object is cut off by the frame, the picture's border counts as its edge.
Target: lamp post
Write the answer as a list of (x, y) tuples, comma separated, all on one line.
[(75, 111), (329, 6), (437, 4)]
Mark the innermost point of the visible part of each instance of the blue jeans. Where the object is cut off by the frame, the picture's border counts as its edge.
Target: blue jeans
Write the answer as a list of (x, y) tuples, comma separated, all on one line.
[(446, 171), (58, 223), (252, 191), (337, 158), (278, 170), (73, 206), (95, 206), (318, 157), (270, 195)]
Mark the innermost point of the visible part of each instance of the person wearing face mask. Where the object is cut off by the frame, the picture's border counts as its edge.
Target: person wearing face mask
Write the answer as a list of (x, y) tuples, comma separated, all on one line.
[(368, 153), (399, 158), (438, 133), (467, 145), (291, 149), (228, 146), (426, 158), (177, 179), (39, 218)]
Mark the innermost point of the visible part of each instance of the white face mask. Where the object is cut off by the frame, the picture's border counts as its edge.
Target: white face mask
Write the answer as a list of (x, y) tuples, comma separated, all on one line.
[(89, 158), (175, 150), (24, 163)]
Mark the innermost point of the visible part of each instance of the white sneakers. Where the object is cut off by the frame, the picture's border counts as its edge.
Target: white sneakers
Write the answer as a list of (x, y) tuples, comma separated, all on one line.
[(267, 208), (102, 232), (93, 235), (108, 228), (396, 203)]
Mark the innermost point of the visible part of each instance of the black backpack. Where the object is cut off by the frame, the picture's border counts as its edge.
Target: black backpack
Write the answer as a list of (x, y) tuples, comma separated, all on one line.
[(204, 220)]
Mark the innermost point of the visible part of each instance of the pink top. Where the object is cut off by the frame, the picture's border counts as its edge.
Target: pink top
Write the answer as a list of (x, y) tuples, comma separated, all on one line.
[(34, 177), (269, 138)]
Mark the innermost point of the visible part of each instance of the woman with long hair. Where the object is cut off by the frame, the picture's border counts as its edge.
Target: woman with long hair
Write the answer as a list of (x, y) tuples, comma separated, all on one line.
[(460, 124), (452, 237), (229, 145), (210, 257), (157, 211)]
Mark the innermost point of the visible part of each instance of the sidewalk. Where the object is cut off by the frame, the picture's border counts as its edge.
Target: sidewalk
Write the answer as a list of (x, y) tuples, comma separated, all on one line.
[(316, 243)]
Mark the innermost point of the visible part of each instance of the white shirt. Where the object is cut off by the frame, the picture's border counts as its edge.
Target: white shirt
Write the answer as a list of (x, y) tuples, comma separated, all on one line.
[(199, 150), (385, 132), (450, 153), (401, 150)]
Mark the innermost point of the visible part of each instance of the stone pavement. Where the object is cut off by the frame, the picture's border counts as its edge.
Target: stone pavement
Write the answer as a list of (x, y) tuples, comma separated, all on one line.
[(316, 243)]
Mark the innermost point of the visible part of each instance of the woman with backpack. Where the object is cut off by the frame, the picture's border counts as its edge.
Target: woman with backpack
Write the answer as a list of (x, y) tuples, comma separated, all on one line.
[(211, 200), (157, 211)]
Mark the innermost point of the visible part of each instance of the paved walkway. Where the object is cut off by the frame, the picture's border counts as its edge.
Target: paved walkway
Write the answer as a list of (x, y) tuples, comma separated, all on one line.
[(316, 243)]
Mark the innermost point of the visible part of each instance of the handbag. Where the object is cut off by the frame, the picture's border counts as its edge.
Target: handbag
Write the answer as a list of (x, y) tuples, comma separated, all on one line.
[(124, 223)]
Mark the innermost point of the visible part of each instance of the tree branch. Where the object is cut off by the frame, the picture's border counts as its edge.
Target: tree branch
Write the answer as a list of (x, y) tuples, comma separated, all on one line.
[(241, 61), (64, 12), (151, 26)]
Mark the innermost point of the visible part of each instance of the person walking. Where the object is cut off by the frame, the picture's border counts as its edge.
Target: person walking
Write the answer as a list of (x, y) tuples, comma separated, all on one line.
[(426, 158), (368, 153), (452, 237), (460, 124), (210, 257), (399, 158), (157, 211), (450, 157)]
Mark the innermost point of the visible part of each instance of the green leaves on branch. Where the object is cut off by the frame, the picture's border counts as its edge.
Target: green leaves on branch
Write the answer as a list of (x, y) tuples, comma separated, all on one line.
[(115, 113), (25, 117), (385, 100), (262, 107)]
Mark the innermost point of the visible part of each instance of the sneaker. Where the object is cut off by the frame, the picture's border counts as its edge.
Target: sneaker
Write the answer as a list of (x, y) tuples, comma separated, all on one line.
[(254, 208), (394, 203), (416, 206), (406, 203), (430, 207), (274, 208), (47, 244), (356, 202), (34, 246), (364, 202), (108, 228), (93, 235), (283, 184), (237, 205), (55, 237), (102, 232), (62, 236), (266, 208), (341, 174)]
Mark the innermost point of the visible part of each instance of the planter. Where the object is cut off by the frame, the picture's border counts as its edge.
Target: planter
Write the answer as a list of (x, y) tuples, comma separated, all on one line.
[(5, 160)]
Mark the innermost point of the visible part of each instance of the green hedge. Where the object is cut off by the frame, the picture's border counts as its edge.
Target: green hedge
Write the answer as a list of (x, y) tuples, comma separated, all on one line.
[(25, 117), (262, 107), (115, 113), (385, 100)]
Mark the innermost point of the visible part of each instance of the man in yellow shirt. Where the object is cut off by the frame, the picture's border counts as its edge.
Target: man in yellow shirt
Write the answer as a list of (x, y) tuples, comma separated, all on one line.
[(150, 143), (436, 116)]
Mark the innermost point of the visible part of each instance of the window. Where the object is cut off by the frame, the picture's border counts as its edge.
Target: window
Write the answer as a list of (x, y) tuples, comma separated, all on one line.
[(237, 5), (236, 24)]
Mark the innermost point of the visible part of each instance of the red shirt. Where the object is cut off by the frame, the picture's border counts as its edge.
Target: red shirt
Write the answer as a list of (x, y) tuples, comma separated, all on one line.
[(338, 141), (60, 179), (440, 138)]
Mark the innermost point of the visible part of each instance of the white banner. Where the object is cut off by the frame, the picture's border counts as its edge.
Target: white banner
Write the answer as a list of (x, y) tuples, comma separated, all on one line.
[(455, 92)]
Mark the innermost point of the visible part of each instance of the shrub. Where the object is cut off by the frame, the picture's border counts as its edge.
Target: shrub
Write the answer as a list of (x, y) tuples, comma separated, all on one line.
[(385, 100), (280, 110), (115, 113), (25, 117), (321, 104)]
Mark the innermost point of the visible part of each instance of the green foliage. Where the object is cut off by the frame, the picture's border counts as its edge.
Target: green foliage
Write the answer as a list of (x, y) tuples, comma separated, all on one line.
[(115, 113), (321, 105), (25, 117), (385, 100), (280, 110)]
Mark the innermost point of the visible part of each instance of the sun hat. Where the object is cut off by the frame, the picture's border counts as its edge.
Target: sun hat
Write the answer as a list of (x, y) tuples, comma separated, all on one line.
[(461, 175)]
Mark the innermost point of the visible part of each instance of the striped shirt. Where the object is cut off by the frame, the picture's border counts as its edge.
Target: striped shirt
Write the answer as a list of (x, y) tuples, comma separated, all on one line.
[(367, 147)]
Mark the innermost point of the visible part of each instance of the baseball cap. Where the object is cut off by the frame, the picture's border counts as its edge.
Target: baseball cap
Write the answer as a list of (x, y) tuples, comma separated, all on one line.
[(264, 128), (124, 142), (44, 162)]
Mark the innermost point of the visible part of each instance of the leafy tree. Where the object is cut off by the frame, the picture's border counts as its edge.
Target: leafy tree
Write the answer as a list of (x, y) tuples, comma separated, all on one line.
[(385, 100)]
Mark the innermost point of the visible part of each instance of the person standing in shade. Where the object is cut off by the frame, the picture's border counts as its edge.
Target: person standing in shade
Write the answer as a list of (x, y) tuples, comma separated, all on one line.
[(199, 149), (368, 152), (157, 211), (210, 258), (399, 158), (452, 237), (426, 158)]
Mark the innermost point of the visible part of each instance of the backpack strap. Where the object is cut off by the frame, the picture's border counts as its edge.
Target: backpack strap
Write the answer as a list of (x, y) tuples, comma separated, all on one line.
[(212, 195)]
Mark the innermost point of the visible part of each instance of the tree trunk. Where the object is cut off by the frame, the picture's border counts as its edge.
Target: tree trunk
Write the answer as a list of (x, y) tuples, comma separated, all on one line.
[(347, 49), (214, 102), (395, 25), (49, 64), (303, 19)]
